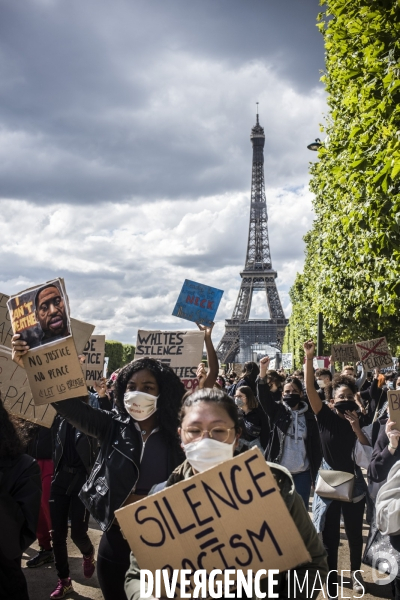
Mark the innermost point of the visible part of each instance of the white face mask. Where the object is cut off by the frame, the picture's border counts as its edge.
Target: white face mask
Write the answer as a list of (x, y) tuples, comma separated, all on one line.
[(207, 453), (140, 405), (321, 383)]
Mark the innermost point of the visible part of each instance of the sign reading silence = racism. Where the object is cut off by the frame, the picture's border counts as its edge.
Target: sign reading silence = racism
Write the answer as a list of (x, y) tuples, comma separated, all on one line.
[(198, 303), (229, 517)]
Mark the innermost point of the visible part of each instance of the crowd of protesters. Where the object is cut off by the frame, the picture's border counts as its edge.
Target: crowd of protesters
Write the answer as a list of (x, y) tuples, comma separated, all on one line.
[(139, 431)]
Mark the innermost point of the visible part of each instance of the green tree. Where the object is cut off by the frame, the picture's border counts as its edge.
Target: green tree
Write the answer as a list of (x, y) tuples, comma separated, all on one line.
[(119, 355), (352, 270)]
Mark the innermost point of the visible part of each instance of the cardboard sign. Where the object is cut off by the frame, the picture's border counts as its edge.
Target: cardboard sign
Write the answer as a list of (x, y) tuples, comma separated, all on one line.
[(344, 353), (94, 353), (287, 360), (393, 397), (236, 368), (40, 315), (198, 303), (54, 372), (374, 353), (6, 331), (229, 517), (81, 333), (16, 394), (181, 350)]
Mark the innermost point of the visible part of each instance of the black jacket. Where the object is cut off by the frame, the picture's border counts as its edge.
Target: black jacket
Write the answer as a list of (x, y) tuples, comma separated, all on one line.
[(116, 470), (41, 441), (382, 460), (280, 418), (20, 496), (86, 446)]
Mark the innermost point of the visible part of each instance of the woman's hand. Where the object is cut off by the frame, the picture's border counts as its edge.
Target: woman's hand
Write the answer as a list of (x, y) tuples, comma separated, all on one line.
[(353, 419), (101, 387), (19, 349), (207, 329), (393, 435), (309, 349), (264, 366), (201, 375)]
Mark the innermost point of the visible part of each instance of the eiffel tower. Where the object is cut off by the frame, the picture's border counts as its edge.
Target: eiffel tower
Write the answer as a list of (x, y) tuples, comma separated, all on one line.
[(242, 336)]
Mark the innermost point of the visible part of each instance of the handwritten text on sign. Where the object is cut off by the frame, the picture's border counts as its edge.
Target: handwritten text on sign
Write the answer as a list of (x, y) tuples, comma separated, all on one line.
[(344, 353), (16, 394), (394, 407), (374, 353), (94, 358), (229, 517), (181, 350), (54, 372), (6, 331), (197, 302)]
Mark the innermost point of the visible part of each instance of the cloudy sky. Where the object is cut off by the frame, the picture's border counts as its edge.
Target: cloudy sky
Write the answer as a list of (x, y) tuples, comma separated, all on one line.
[(125, 158)]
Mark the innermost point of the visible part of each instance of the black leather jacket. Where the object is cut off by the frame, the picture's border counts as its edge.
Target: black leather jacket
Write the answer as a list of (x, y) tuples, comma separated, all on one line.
[(86, 446), (116, 470), (280, 419)]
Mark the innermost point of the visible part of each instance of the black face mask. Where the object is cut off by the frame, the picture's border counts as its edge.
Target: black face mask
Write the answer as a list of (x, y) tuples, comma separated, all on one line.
[(344, 405), (291, 399)]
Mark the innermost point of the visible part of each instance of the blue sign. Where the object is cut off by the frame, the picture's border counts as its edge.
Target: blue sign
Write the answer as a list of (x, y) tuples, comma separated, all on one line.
[(198, 303)]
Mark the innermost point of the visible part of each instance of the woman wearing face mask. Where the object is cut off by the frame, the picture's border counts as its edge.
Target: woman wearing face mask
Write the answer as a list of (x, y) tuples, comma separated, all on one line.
[(294, 439), (209, 433), (253, 419), (139, 447), (339, 429)]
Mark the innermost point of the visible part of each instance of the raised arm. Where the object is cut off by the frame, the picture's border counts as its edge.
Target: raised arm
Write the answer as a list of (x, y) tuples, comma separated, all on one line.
[(212, 359), (315, 400), (265, 398), (363, 376), (77, 412)]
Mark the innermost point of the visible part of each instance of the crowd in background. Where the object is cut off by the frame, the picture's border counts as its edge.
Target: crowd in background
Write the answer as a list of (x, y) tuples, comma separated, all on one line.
[(139, 430)]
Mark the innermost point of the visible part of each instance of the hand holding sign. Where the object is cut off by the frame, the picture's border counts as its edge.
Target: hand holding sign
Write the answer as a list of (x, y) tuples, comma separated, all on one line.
[(197, 302)]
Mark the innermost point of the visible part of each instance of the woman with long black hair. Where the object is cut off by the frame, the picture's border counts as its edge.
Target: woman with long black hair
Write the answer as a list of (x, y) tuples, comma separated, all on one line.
[(20, 495), (139, 447)]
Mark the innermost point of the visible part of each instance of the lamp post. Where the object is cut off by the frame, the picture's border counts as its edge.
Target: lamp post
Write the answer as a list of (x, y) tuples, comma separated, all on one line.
[(314, 146)]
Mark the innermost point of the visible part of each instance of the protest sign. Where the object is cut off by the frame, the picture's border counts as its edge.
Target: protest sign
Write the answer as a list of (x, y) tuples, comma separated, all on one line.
[(229, 517), (236, 368), (16, 394), (40, 315), (181, 350), (6, 331), (344, 353), (81, 333), (54, 372), (374, 353), (287, 360), (94, 353), (197, 302), (393, 397)]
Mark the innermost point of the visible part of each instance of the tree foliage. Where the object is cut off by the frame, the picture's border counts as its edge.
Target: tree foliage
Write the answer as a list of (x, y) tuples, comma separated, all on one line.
[(352, 269), (119, 355)]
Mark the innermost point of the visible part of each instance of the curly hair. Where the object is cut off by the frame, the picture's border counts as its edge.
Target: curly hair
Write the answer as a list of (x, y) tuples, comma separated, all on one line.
[(339, 381), (171, 392), (213, 395), (10, 443)]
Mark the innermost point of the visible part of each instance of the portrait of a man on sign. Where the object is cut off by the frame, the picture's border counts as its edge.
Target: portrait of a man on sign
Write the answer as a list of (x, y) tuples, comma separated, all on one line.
[(40, 315)]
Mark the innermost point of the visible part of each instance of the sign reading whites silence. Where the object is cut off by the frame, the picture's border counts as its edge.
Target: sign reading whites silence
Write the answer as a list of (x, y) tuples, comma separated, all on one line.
[(229, 517), (40, 315), (180, 350), (344, 353), (198, 303), (374, 353)]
